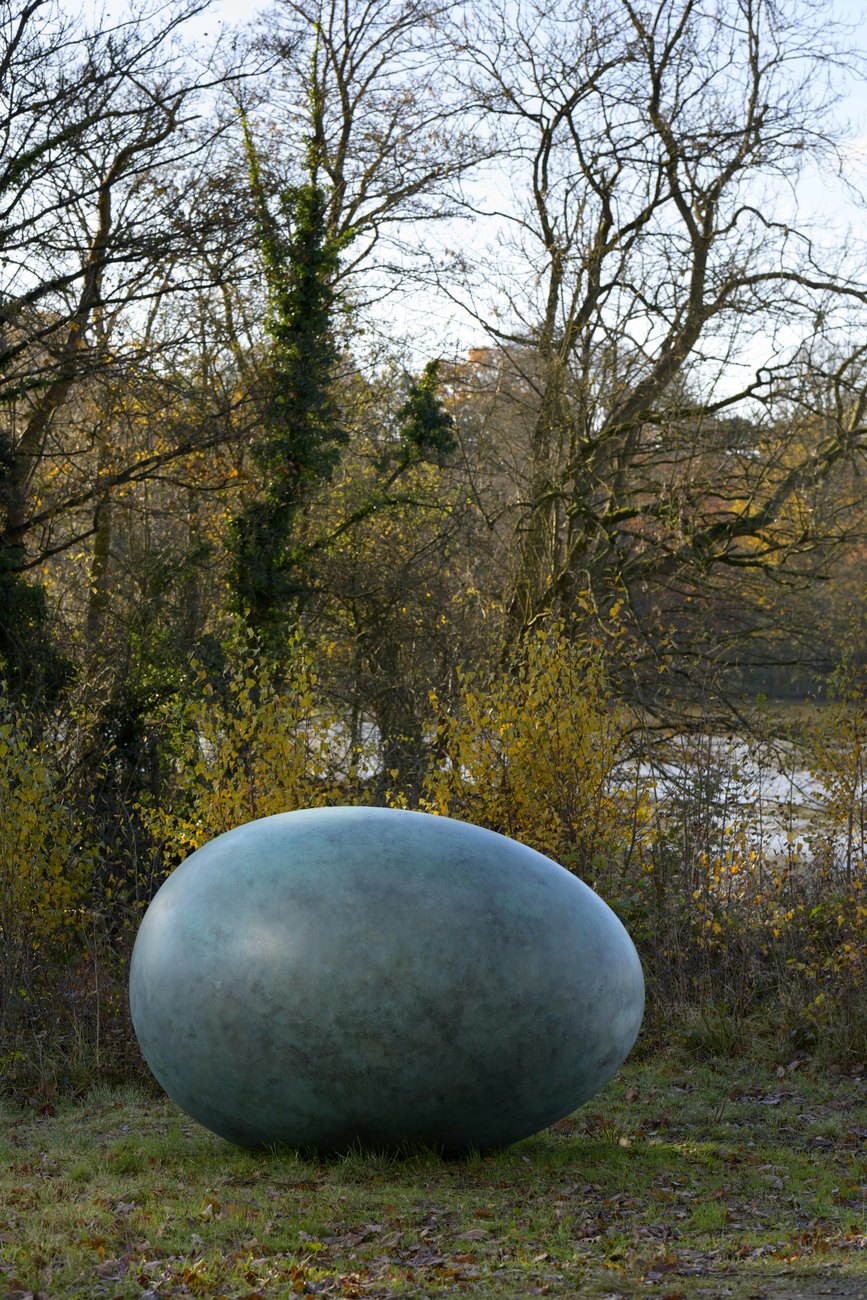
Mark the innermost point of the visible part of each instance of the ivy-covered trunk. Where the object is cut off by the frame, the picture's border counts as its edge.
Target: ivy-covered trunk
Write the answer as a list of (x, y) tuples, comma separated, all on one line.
[(302, 432)]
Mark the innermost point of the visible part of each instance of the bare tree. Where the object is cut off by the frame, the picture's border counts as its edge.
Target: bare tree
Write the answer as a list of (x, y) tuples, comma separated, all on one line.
[(392, 137), (671, 313), (95, 126)]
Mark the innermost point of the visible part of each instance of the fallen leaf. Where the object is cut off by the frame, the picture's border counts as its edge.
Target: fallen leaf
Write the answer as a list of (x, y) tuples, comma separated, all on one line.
[(108, 1268)]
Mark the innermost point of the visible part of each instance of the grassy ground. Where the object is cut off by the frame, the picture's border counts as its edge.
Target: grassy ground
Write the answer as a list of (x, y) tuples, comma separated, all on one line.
[(682, 1179)]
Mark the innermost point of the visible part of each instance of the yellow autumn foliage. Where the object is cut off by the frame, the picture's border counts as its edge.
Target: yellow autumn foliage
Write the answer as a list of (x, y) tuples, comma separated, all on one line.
[(834, 746), (263, 743), (532, 751), (46, 856)]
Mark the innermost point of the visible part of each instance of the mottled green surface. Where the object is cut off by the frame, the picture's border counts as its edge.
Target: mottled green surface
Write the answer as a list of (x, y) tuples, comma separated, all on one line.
[(363, 974)]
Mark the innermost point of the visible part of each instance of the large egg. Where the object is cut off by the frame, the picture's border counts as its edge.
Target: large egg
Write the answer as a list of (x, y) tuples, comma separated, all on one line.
[(342, 975)]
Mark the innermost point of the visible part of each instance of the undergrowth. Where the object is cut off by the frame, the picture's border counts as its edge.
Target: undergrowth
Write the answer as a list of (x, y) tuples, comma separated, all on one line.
[(751, 936)]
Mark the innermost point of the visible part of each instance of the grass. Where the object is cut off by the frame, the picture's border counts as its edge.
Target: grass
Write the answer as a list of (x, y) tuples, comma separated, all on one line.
[(682, 1179)]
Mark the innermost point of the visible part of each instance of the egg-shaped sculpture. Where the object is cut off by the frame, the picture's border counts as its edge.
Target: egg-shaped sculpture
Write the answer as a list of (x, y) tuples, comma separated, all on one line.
[(367, 975)]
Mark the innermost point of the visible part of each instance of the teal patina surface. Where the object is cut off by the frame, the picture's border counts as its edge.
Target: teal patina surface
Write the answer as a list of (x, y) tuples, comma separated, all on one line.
[(363, 974)]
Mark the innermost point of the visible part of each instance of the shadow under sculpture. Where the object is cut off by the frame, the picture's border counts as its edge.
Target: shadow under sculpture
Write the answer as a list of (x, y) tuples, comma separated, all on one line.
[(365, 975)]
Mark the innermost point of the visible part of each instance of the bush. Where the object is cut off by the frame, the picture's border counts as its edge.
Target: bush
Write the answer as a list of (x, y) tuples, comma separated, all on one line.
[(47, 861), (739, 928), (533, 752), (259, 740)]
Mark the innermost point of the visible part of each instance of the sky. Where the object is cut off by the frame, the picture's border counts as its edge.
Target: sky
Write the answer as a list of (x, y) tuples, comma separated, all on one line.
[(826, 202), (820, 201)]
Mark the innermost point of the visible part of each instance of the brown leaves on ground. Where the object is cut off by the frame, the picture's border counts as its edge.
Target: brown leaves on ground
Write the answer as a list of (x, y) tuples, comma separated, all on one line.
[(678, 1181)]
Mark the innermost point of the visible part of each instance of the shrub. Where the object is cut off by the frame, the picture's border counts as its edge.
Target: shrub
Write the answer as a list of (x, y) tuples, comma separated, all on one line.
[(736, 924), (532, 751), (258, 741), (47, 860)]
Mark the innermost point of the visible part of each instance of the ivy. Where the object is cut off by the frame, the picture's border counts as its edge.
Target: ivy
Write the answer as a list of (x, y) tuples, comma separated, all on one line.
[(303, 433), (427, 430)]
